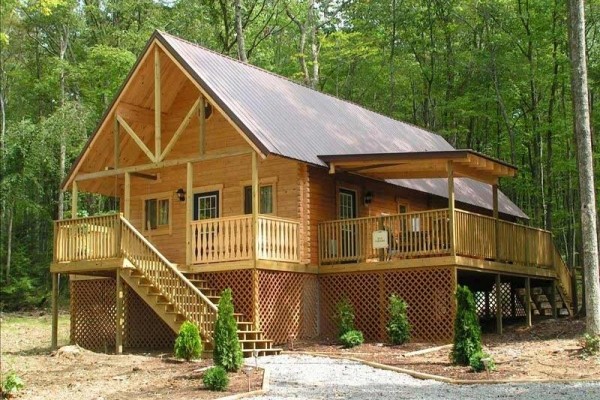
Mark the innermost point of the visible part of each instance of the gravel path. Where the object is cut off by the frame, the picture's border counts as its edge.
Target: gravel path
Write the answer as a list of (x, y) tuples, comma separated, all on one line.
[(307, 377)]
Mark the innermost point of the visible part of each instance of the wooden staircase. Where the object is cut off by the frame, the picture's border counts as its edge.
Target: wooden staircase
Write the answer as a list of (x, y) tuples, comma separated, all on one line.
[(541, 301), (176, 299)]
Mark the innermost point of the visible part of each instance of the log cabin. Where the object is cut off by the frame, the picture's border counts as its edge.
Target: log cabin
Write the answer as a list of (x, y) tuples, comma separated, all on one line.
[(229, 176)]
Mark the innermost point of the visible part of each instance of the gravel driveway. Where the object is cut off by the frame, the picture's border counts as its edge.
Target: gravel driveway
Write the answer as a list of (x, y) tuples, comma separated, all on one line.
[(307, 377)]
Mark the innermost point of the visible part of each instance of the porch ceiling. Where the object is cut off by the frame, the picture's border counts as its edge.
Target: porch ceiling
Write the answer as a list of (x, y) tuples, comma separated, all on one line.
[(418, 165)]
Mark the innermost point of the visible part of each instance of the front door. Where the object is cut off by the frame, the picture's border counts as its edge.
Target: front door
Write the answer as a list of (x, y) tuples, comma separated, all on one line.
[(347, 210), (206, 205), (205, 235)]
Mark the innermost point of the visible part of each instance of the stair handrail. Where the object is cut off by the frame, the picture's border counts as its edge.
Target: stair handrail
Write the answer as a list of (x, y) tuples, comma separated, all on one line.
[(165, 262)]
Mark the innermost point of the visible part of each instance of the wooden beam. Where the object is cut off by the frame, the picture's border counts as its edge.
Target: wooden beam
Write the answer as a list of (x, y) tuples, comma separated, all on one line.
[(451, 207), (255, 210), (117, 144), (528, 302), (496, 221), (119, 316), (189, 204), (157, 106), (202, 122), (74, 198), (182, 127), (233, 152), (54, 340), (136, 138), (498, 305), (127, 196), (553, 299)]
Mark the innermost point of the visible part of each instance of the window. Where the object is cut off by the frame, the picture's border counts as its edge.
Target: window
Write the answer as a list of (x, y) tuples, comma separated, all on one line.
[(402, 208), (265, 199), (206, 205), (157, 214)]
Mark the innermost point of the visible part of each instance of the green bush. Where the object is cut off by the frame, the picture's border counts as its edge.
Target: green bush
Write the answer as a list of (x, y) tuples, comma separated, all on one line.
[(352, 339), (590, 344), (344, 317), (11, 385), (467, 333), (398, 327), (228, 352), (216, 379), (477, 364), (188, 345)]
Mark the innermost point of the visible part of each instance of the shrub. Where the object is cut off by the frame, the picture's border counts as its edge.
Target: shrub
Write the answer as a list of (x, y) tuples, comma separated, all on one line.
[(228, 352), (188, 345), (11, 385), (216, 379), (467, 333), (344, 317), (590, 344), (398, 327), (477, 364), (352, 339)]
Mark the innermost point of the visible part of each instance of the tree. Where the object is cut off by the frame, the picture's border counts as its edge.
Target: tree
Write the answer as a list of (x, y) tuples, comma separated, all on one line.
[(228, 351), (583, 141)]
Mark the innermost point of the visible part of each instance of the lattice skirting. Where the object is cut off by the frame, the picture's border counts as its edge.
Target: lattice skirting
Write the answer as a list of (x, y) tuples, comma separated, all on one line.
[(428, 292), (512, 305), (240, 283), (288, 304), (93, 318)]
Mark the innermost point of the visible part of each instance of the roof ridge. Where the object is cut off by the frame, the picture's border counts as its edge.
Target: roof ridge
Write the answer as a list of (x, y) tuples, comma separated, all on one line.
[(297, 83)]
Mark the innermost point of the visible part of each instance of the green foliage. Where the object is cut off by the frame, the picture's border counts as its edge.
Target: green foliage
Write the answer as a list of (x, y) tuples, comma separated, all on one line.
[(216, 379), (344, 317), (352, 338), (478, 361), (11, 385), (227, 352), (467, 333), (188, 344), (590, 344), (398, 327)]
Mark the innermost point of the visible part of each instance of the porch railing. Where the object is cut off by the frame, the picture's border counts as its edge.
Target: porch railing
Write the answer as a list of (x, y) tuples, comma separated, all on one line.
[(230, 239), (90, 238)]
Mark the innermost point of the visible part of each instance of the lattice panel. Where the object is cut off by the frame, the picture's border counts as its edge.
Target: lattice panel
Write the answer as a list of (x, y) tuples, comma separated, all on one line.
[(240, 282), (143, 329), (428, 292), (287, 305), (512, 306), (93, 313)]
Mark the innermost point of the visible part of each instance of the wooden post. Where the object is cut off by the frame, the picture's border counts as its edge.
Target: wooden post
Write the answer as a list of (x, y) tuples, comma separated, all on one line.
[(157, 106), (381, 251), (74, 198), (496, 221), (255, 210), (127, 197), (189, 209), (498, 305), (54, 343), (528, 301), (117, 138), (119, 317), (513, 301), (202, 117), (553, 299), (451, 204), (487, 304)]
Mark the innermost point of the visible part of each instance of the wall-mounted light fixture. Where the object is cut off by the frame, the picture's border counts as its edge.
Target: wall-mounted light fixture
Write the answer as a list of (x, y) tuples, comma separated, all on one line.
[(368, 197), (180, 194)]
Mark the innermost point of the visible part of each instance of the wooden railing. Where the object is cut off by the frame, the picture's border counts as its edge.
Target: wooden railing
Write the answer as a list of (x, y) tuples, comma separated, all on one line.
[(231, 239), (475, 235), (186, 297), (90, 238), (408, 235)]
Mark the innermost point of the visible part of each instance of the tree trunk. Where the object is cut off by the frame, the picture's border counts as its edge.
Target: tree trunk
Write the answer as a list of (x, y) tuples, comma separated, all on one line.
[(9, 245), (62, 161), (583, 140), (239, 31)]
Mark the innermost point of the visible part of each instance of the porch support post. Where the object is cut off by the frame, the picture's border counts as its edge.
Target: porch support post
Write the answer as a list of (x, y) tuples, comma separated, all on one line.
[(127, 197), (255, 233), (54, 343), (553, 299), (496, 221), (202, 120), (528, 301), (74, 198), (117, 140), (157, 106), (119, 316), (498, 305), (189, 204), (451, 205)]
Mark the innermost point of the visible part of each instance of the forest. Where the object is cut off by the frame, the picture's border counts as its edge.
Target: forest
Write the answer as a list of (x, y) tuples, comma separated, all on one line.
[(490, 75)]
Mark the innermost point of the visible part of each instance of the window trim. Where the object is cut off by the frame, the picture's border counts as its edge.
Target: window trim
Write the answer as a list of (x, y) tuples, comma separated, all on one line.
[(270, 181), (206, 189), (163, 229)]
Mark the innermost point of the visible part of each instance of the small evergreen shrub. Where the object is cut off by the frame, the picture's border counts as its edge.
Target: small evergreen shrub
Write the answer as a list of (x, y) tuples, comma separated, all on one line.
[(216, 379), (352, 339), (344, 317), (188, 345), (11, 385), (398, 327), (590, 344), (467, 332), (478, 365), (227, 352)]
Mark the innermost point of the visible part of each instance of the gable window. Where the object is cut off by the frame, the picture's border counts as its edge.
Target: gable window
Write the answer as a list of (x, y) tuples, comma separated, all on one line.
[(157, 214), (265, 199)]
